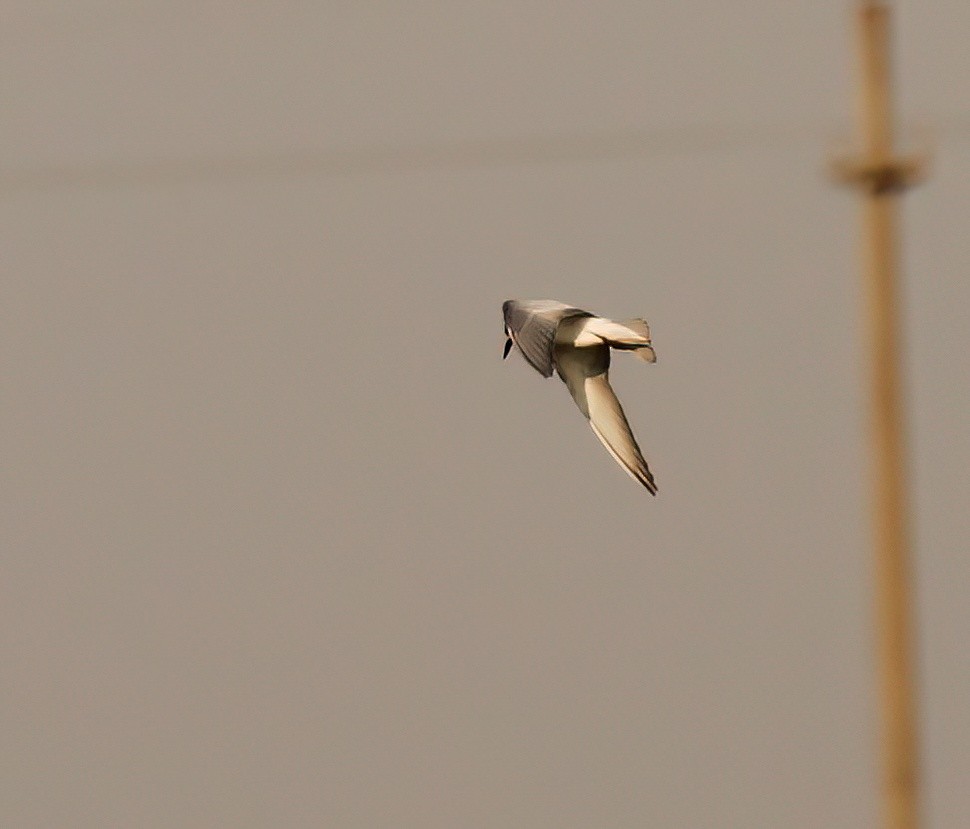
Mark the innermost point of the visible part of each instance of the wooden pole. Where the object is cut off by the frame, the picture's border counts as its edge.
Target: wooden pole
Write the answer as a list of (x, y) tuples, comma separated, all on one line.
[(881, 176)]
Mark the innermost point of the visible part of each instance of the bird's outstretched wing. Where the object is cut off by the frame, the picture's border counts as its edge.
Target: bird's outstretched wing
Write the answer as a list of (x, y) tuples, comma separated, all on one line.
[(585, 372), (611, 427), (532, 326)]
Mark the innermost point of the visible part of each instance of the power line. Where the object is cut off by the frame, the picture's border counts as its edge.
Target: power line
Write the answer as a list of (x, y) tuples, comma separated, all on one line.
[(689, 140), (457, 155)]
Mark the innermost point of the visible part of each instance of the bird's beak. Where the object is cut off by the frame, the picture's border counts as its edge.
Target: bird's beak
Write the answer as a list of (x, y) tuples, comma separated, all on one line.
[(508, 348)]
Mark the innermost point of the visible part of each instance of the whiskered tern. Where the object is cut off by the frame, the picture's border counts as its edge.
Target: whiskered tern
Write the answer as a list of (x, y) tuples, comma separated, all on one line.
[(576, 344)]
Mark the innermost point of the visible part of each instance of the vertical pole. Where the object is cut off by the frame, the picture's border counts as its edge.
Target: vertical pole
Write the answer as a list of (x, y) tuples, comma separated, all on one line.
[(881, 177)]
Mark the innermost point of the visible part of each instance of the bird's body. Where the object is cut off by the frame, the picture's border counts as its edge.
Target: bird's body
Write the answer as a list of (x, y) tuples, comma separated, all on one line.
[(576, 344)]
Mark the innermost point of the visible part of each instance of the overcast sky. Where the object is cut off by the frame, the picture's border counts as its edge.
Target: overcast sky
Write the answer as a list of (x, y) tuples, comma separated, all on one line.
[(287, 543)]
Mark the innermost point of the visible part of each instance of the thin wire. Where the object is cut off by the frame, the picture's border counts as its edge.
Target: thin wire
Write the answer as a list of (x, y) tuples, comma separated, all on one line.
[(684, 141), (455, 155)]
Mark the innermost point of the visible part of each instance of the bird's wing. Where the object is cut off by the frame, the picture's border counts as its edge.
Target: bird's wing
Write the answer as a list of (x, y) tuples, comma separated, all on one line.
[(585, 372), (532, 326), (611, 427)]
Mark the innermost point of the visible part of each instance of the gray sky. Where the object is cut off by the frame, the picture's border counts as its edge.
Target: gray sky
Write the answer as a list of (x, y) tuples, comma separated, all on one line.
[(287, 544)]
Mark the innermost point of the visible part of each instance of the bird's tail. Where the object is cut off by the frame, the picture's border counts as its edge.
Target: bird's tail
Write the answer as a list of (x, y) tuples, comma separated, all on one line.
[(628, 335)]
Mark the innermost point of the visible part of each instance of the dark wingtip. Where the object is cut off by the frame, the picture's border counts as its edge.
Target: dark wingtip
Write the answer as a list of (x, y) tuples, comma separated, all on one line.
[(508, 348)]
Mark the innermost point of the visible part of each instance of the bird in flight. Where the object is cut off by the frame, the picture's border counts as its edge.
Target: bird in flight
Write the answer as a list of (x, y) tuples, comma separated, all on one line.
[(576, 344)]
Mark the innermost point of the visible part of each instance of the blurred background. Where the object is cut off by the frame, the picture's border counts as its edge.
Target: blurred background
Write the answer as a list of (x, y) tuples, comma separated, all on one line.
[(287, 544)]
